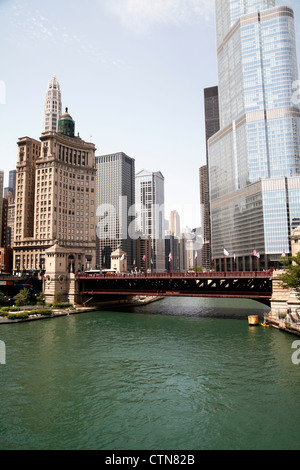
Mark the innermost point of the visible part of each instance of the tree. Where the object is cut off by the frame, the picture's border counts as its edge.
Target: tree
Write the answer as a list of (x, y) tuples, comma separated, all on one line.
[(57, 298), (40, 299), (23, 297), (290, 278), (2, 298)]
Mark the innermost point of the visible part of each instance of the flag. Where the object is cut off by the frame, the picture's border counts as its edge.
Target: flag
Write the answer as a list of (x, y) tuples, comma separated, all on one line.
[(144, 258), (258, 255), (170, 256), (283, 254), (134, 262), (151, 261), (122, 257), (196, 255), (226, 252), (254, 253)]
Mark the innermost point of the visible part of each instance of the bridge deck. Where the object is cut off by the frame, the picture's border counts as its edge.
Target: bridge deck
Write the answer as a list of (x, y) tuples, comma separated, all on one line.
[(184, 275), (250, 285)]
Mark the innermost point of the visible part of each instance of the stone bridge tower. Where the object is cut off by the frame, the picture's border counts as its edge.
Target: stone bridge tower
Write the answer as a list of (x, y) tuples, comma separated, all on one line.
[(60, 265)]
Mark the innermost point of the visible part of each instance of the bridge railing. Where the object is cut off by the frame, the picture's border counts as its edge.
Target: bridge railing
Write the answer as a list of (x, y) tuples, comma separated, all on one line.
[(188, 275)]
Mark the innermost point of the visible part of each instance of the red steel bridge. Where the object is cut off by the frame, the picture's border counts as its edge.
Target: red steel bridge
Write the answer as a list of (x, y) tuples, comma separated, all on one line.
[(255, 285)]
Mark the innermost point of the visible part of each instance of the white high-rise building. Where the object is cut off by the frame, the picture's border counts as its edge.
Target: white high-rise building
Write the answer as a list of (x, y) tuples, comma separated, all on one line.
[(150, 216), (53, 107)]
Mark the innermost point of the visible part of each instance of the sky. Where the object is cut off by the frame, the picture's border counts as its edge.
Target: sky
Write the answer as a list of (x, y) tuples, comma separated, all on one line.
[(132, 74)]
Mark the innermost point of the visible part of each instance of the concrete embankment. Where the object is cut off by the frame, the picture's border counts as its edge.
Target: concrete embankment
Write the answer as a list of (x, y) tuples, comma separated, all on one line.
[(289, 323), (134, 302), (285, 308)]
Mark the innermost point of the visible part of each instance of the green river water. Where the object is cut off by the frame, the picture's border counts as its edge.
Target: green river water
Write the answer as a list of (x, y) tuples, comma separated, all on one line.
[(176, 374)]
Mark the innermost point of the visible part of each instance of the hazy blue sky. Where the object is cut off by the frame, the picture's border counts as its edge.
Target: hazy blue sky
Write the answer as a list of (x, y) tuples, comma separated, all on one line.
[(132, 73)]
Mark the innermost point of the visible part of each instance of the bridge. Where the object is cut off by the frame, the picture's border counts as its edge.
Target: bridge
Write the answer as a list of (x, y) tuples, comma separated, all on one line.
[(254, 285)]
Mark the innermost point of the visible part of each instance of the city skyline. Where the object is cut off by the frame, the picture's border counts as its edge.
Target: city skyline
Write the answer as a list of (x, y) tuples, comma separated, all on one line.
[(132, 76)]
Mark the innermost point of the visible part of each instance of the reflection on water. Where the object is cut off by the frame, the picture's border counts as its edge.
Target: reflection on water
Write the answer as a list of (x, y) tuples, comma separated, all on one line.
[(204, 307)]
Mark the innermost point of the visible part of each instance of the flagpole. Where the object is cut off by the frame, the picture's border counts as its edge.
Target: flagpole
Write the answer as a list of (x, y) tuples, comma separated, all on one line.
[(170, 259), (225, 254)]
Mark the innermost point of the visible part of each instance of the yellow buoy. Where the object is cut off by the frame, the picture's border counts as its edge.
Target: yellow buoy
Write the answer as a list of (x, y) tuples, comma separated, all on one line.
[(253, 320)]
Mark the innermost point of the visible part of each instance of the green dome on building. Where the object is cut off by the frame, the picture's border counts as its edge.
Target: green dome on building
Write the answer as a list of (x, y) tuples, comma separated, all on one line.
[(66, 125)]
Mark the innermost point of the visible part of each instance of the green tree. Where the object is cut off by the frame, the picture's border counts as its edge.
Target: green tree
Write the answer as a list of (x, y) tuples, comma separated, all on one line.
[(57, 298), (40, 299), (290, 278), (2, 298), (23, 297)]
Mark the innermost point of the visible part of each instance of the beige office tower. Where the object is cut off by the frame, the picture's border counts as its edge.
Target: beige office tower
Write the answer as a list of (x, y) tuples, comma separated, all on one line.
[(55, 199), (175, 224)]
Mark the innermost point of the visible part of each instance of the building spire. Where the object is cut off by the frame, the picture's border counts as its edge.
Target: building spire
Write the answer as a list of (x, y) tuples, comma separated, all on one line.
[(52, 108)]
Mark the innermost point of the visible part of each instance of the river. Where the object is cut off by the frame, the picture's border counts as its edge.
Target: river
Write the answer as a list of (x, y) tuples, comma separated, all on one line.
[(183, 374)]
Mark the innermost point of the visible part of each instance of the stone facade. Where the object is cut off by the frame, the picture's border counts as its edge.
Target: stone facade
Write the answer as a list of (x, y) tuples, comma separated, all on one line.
[(59, 276), (119, 260), (55, 199), (285, 301)]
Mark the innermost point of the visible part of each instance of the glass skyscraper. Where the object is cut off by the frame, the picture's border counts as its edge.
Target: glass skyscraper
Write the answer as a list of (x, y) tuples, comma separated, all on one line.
[(115, 199), (254, 171)]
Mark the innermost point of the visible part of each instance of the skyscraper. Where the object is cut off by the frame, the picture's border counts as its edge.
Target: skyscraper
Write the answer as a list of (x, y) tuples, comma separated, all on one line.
[(212, 125), (115, 200), (53, 106), (254, 157), (149, 190), (12, 181), (55, 199), (174, 219)]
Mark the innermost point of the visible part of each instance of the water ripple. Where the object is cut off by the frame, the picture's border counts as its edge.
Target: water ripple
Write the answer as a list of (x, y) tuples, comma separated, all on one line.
[(153, 380)]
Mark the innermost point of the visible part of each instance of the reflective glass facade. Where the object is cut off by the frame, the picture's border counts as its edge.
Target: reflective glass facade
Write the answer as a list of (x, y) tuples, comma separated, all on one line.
[(259, 137)]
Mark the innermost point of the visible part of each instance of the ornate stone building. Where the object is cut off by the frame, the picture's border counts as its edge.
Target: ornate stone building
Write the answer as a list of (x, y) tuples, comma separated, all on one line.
[(55, 200)]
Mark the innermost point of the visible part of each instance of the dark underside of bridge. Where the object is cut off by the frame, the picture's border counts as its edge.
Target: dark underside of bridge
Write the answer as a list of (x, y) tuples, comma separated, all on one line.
[(259, 289)]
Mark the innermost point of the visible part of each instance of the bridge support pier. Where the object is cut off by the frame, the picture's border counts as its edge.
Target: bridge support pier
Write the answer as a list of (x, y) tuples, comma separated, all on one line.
[(59, 276), (73, 294), (283, 301)]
